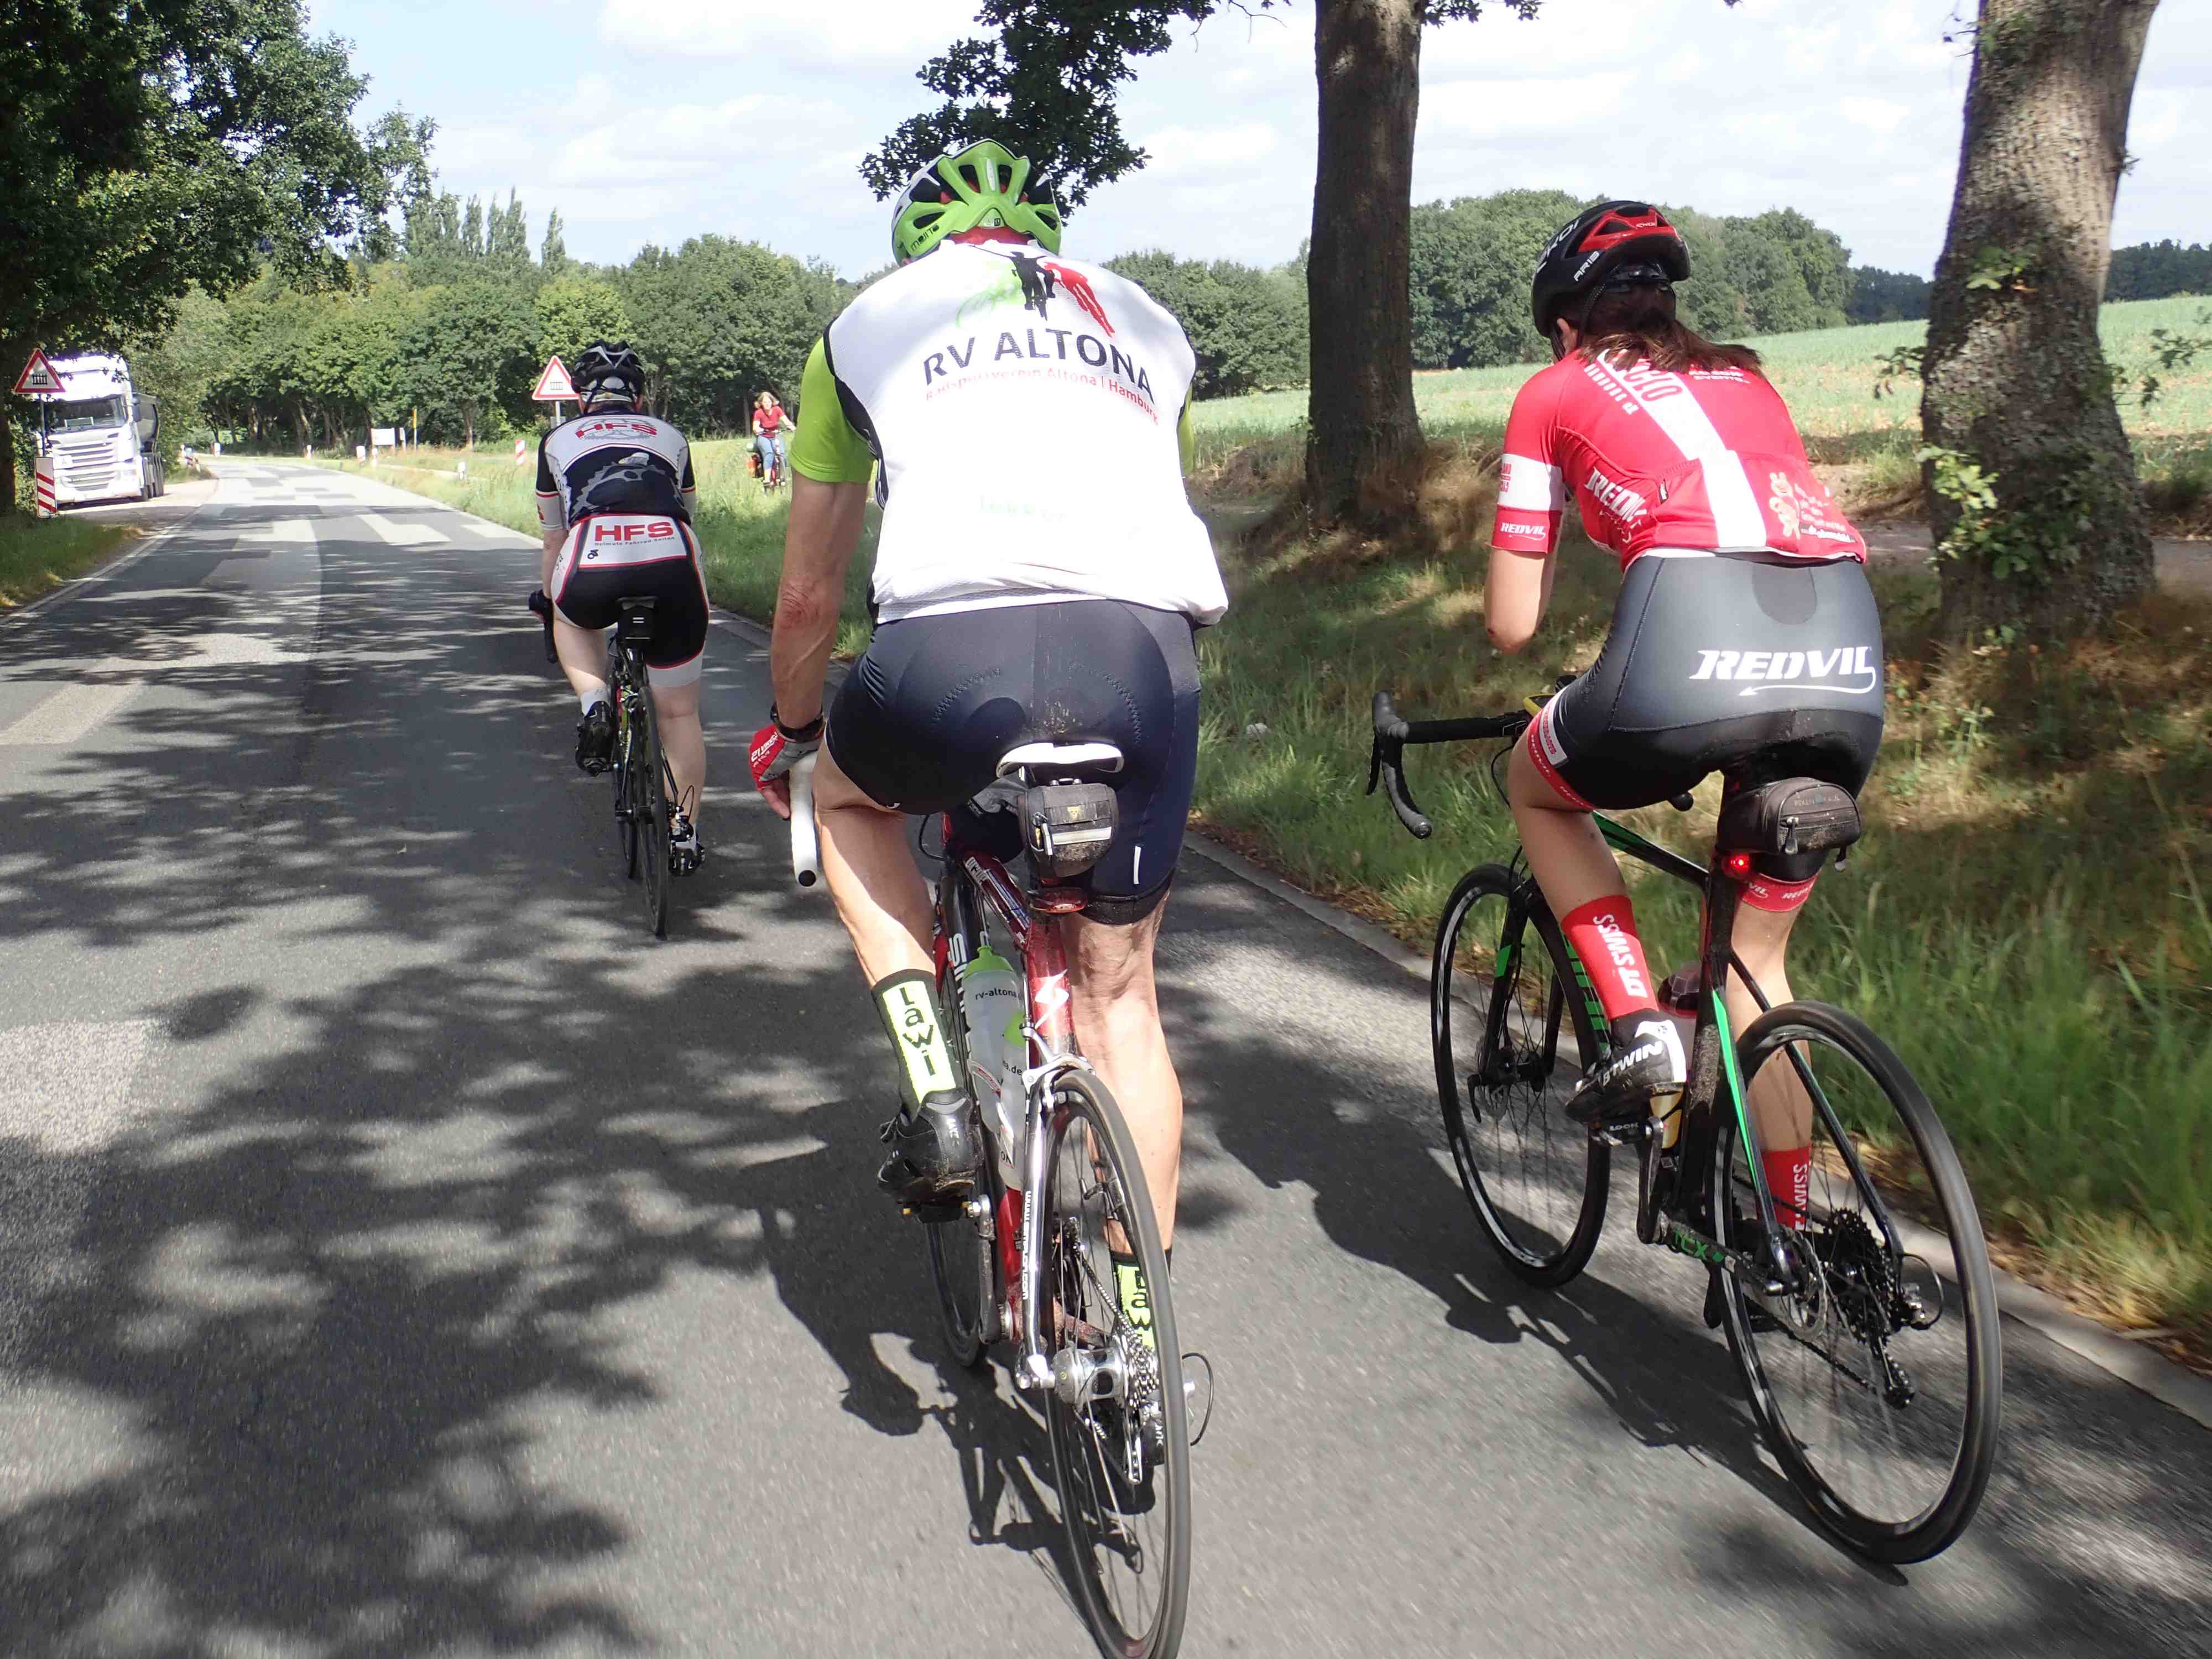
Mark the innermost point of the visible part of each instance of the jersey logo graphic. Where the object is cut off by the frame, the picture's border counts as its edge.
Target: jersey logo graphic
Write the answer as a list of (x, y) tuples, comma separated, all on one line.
[(1079, 290), (1618, 499), (1037, 280), (1798, 670), (1004, 289), (625, 426)]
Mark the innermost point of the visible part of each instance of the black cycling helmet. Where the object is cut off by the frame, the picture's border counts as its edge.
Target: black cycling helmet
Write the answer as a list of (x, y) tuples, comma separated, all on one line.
[(1614, 245), (608, 371)]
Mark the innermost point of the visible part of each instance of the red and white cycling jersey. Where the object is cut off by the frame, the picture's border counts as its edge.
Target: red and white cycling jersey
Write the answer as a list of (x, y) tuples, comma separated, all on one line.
[(1706, 460)]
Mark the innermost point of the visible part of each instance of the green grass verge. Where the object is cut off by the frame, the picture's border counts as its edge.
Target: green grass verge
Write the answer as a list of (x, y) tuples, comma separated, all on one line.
[(37, 555)]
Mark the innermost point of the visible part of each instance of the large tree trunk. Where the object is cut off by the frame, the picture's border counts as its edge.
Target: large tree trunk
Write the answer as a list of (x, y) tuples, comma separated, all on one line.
[(1363, 437), (2017, 383)]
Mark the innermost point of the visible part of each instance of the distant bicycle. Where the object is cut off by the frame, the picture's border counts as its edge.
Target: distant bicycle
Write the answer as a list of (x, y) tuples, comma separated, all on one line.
[(1877, 1389), (643, 782), (1026, 1262)]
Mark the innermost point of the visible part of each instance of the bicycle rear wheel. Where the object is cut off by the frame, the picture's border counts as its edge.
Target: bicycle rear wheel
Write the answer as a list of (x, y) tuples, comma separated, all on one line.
[(1509, 1023), (1121, 1452), (1879, 1386), (649, 809)]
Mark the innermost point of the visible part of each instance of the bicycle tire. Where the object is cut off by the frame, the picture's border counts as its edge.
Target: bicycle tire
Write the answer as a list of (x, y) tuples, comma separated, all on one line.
[(650, 803), (959, 1255), (1854, 1297), (1537, 1183), (625, 796), (1089, 1142)]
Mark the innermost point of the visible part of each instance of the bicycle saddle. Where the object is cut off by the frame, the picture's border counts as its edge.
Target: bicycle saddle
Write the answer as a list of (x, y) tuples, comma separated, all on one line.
[(1062, 757)]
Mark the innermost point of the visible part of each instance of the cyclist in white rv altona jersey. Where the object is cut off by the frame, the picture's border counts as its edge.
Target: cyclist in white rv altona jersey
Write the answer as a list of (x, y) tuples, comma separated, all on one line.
[(1040, 577)]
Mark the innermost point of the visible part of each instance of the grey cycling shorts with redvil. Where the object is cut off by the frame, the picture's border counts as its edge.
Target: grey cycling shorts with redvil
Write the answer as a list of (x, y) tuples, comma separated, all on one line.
[(921, 722), (1751, 666)]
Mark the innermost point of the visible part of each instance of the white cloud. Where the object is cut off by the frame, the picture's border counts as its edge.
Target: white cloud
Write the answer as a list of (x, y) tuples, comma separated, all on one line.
[(1180, 152), (826, 34)]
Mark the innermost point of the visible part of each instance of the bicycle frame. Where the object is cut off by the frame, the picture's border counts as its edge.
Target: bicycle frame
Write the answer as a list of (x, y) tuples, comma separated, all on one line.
[(1018, 1233)]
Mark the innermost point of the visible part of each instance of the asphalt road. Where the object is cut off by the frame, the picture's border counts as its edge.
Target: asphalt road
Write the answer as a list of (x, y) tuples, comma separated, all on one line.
[(404, 1256)]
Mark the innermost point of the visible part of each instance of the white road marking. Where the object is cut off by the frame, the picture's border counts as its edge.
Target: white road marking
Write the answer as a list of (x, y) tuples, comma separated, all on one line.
[(404, 535), (75, 710), (495, 531), (283, 531)]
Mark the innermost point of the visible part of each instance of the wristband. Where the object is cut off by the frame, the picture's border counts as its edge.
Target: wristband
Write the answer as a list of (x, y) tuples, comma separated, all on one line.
[(806, 733)]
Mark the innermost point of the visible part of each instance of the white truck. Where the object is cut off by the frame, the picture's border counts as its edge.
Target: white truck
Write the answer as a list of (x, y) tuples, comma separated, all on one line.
[(99, 432)]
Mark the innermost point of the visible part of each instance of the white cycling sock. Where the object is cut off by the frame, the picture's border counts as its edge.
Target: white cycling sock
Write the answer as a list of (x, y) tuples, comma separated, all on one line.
[(592, 699)]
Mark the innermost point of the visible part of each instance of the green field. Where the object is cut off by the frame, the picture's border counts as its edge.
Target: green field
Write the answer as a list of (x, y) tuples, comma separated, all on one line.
[(1863, 446)]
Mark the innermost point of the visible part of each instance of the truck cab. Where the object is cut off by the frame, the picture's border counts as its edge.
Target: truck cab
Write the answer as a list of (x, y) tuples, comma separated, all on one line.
[(98, 433)]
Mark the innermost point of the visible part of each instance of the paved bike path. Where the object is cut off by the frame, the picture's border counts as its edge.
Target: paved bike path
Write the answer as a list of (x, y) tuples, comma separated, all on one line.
[(404, 1256)]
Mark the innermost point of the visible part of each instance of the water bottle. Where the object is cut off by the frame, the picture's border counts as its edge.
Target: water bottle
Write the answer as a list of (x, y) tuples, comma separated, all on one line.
[(991, 1007)]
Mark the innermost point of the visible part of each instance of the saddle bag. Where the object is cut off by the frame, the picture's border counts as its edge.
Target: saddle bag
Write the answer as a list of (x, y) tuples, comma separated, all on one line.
[(1067, 827), (1790, 815)]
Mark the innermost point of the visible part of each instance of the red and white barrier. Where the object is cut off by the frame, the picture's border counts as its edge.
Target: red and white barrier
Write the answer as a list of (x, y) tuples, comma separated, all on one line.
[(42, 486), (520, 459)]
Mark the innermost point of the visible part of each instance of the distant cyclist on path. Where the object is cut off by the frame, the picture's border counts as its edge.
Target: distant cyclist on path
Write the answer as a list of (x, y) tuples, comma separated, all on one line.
[(616, 498), (1745, 636), (1040, 577)]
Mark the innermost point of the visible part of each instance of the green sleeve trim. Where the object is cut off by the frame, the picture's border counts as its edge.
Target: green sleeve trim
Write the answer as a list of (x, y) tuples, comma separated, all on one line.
[(1187, 440), (825, 448)]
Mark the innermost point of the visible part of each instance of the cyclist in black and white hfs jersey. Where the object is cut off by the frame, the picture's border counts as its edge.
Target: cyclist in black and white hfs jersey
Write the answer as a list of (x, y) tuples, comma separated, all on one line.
[(616, 498)]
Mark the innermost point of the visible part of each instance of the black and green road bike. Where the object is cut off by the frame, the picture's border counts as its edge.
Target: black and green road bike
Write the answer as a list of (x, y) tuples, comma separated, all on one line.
[(1866, 1326)]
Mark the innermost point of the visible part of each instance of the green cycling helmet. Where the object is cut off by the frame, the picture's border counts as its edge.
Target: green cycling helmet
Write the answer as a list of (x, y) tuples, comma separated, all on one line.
[(983, 184)]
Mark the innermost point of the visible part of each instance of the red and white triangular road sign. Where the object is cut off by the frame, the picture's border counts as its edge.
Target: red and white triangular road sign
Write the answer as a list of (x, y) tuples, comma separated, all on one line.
[(553, 385), (39, 379)]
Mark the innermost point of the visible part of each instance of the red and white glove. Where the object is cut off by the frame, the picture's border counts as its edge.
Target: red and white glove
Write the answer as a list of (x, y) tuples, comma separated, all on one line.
[(776, 749)]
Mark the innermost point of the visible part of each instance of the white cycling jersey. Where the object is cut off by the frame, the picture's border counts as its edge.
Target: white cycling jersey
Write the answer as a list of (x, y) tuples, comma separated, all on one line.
[(614, 462), (1026, 412)]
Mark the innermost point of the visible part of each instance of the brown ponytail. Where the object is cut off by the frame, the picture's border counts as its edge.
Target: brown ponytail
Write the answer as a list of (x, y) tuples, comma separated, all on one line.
[(1640, 323)]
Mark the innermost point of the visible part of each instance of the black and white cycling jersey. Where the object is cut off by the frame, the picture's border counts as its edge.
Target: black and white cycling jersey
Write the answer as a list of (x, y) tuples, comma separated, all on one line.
[(614, 462)]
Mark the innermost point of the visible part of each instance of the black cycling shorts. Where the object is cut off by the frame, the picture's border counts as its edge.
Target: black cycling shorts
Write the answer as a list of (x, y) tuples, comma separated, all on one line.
[(1747, 664), (921, 720), (615, 556)]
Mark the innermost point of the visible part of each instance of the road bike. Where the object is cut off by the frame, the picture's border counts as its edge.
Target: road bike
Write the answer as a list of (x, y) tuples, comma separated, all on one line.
[(1876, 1381), (1025, 1261), (643, 784)]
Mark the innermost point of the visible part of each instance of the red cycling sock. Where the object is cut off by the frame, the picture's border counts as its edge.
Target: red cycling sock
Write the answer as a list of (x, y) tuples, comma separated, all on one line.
[(1603, 934), (1790, 1178)]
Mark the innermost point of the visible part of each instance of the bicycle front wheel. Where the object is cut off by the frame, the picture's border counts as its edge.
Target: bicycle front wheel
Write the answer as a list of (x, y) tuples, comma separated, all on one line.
[(649, 809), (1510, 1023), (1121, 1452), (1878, 1384)]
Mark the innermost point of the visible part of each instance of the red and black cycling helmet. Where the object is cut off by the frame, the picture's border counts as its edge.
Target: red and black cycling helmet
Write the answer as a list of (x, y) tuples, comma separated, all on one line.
[(1613, 245)]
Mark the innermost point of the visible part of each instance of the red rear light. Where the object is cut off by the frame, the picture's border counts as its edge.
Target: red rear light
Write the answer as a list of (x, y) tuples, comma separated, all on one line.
[(1738, 865)]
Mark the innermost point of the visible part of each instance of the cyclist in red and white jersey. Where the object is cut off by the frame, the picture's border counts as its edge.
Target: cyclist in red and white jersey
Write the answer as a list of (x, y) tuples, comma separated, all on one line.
[(1745, 639)]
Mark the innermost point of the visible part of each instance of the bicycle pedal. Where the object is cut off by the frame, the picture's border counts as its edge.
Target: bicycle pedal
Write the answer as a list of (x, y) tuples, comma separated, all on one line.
[(1197, 1396)]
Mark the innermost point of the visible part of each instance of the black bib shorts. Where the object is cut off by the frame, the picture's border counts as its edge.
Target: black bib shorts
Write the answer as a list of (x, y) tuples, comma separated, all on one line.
[(921, 720), (1750, 664)]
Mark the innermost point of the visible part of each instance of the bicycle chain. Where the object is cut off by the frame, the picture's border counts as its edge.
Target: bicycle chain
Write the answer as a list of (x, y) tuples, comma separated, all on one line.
[(1869, 1296)]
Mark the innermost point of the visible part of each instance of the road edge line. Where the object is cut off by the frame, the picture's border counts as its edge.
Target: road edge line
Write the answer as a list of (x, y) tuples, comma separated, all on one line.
[(2142, 1368)]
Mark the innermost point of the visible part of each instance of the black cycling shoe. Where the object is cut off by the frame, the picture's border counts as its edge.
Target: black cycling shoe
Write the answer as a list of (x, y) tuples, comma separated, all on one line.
[(595, 739), (935, 1153), (1646, 1062)]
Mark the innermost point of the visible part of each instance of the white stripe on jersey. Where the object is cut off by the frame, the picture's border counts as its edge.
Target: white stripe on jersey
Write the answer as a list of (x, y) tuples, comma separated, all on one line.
[(1530, 485), (1738, 524)]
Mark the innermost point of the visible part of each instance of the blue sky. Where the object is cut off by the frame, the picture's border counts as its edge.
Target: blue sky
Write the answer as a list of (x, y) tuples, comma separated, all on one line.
[(654, 120)]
